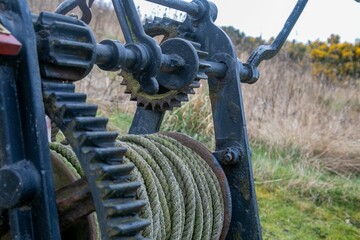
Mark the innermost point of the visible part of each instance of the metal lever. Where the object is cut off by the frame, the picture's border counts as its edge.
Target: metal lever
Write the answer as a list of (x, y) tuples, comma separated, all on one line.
[(145, 47), (192, 8), (266, 52), (68, 5)]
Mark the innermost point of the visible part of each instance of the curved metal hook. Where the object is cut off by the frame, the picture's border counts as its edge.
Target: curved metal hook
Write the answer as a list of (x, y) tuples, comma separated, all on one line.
[(68, 5)]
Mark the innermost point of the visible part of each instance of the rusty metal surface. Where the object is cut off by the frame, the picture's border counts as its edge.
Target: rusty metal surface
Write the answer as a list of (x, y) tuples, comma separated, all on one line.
[(74, 203)]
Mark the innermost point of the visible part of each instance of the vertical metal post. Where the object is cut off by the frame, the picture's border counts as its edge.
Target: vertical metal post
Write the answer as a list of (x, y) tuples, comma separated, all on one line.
[(230, 128), (23, 135), (146, 121)]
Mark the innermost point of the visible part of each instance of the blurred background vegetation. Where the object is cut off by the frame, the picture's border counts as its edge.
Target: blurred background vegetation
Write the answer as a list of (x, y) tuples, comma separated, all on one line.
[(303, 118)]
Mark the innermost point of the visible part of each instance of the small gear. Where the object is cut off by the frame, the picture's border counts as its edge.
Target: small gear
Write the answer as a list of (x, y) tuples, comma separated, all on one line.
[(167, 97)]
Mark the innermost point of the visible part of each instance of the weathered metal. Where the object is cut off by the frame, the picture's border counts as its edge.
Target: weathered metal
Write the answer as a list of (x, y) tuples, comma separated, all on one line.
[(74, 203), (68, 5), (23, 130), (58, 50), (113, 192)]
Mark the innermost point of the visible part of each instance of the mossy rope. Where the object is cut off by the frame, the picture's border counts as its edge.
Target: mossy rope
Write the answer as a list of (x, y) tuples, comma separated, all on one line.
[(183, 195)]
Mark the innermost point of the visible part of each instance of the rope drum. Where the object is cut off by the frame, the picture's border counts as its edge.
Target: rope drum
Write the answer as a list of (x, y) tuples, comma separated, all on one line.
[(183, 194)]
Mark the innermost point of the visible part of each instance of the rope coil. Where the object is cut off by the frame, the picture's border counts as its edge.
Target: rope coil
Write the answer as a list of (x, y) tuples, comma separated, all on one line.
[(183, 194), (192, 191)]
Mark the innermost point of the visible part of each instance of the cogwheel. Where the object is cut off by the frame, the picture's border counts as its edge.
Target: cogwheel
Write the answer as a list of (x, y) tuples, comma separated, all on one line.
[(165, 98)]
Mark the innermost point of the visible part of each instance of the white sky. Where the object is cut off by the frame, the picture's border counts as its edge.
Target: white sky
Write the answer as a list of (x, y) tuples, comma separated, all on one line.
[(266, 17)]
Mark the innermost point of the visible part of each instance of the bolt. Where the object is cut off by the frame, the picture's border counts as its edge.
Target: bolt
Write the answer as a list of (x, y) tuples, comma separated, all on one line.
[(249, 73), (19, 184), (230, 155)]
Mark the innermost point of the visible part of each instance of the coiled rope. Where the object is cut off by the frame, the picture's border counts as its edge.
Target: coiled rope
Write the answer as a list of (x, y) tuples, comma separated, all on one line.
[(183, 195)]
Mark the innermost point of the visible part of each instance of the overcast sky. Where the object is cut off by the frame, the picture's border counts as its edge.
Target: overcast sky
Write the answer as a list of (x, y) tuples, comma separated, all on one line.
[(266, 17)]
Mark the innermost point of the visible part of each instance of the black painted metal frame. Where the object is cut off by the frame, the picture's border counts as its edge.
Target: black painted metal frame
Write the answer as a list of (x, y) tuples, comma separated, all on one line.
[(24, 149)]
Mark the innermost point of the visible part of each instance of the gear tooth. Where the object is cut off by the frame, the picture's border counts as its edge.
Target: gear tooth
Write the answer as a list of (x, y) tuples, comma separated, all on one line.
[(97, 139), (157, 19), (58, 87), (123, 207), (109, 155), (90, 124), (182, 97), (201, 75), (148, 20), (166, 106), (127, 90), (189, 90), (123, 82), (125, 226), (72, 110), (70, 97), (195, 84), (113, 191), (148, 106), (175, 103), (168, 21), (202, 54), (132, 97), (157, 107), (115, 171), (203, 64)]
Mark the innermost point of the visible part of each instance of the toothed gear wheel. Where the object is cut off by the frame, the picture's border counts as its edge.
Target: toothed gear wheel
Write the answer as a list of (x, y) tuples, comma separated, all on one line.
[(108, 176), (167, 97)]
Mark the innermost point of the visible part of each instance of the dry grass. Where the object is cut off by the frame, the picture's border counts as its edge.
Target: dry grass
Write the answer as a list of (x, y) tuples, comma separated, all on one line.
[(289, 108), (193, 118), (104, 22)]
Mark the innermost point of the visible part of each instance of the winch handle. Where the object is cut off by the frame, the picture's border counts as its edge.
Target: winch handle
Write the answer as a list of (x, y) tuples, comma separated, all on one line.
[(266, 52)]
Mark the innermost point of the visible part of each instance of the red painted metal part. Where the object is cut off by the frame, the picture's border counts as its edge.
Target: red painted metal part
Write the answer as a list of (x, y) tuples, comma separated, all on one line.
[(9, 45), (204, 153)]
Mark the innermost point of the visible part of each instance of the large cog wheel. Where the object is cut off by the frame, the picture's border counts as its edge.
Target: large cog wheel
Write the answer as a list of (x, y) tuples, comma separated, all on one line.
[(165, 98)]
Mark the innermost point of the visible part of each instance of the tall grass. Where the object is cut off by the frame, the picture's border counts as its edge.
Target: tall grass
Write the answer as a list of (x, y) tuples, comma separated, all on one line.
[(193, 118), (288, 108)]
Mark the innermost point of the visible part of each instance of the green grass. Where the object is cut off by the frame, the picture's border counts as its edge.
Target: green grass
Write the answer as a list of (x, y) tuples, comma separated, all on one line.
[(296, 201), (285, 215), (120, 122)]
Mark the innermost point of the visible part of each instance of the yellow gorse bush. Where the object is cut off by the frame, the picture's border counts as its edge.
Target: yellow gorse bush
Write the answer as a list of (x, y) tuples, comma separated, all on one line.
[(333, 60)]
